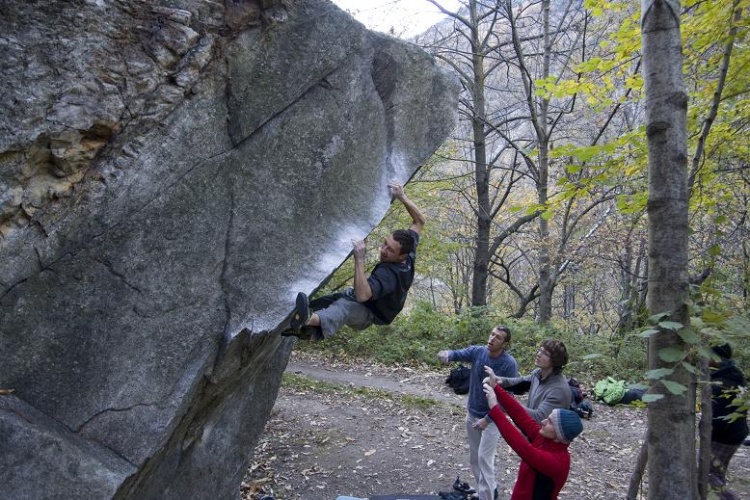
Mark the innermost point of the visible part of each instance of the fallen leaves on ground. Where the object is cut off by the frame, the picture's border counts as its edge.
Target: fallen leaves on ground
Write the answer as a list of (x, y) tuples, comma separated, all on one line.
[(336, 443)]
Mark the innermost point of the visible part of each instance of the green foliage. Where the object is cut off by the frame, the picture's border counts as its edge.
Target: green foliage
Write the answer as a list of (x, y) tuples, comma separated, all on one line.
[(413, 338), (595, 357), (416, 337)]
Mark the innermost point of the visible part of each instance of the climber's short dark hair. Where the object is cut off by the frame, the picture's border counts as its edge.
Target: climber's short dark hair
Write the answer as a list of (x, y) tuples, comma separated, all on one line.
[(405, 239)]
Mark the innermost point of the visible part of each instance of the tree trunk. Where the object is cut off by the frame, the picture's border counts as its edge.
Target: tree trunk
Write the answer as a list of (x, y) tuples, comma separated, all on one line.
[(569, 301), (704, 457), (481, 175), (634, 486), (671, 430), (546, 281)]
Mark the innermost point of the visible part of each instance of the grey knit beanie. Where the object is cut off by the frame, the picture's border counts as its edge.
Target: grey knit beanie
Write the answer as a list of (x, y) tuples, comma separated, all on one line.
[(567, 424)]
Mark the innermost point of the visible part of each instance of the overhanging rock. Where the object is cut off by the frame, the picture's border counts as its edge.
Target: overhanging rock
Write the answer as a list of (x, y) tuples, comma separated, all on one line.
[(171, 174)]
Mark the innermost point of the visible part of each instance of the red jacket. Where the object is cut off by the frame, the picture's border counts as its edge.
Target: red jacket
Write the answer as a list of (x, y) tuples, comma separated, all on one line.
[(545, 463)]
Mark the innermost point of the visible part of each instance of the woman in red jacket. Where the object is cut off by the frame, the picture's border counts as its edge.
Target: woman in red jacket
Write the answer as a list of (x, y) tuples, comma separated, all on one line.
[(543, 448)]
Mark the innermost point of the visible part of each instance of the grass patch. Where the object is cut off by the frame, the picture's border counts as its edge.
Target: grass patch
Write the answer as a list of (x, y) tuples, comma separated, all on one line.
[(301, 383), (417, 402)]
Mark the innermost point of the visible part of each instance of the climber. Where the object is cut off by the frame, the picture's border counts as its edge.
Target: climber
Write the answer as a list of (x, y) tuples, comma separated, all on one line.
[(376, 299)]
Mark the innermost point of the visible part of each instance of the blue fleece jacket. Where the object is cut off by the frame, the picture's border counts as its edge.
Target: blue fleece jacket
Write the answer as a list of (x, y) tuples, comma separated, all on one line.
[(479, 356)]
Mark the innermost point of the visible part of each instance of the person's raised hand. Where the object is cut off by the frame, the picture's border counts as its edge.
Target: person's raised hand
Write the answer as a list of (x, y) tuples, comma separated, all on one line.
[(396, 189), (491, 377), (359, 249), (489, 391)]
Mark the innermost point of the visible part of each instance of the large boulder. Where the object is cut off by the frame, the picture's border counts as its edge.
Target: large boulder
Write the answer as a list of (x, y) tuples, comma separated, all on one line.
[(171, 174)]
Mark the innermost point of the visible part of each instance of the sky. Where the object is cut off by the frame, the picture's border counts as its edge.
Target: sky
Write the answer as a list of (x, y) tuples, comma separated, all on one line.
[(407, 17)]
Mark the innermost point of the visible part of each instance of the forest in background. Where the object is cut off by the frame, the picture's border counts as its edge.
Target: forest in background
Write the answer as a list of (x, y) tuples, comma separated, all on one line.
[(538, 205)]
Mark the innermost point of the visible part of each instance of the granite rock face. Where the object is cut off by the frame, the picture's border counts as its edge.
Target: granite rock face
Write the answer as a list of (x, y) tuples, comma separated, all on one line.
[(171, 174)]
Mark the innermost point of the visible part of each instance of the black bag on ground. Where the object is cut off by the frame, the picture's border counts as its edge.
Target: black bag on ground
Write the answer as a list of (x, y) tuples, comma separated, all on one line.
[(575, 390), (584, 409), (458, 379)]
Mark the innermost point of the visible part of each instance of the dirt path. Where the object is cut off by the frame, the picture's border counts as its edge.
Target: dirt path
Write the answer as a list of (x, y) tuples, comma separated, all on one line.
[(321, 444)]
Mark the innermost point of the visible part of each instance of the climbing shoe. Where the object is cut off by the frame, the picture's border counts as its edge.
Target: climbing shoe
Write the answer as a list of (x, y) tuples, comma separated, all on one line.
[(301, 312)]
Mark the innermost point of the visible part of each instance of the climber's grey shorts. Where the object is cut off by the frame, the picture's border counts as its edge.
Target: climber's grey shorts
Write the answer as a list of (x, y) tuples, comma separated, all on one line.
[(342, 312)]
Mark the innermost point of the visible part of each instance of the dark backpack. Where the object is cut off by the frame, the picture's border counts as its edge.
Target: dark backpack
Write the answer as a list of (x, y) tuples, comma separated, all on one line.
[(584, 409), (458, 379), (575, 390)]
